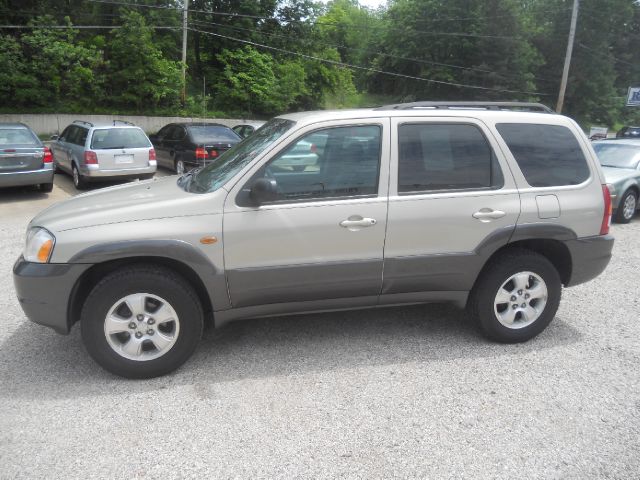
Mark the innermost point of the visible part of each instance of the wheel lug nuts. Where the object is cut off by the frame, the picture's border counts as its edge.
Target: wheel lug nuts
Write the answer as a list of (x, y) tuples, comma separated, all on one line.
[(138, 334), (515, 305), (132, 325), (150, 331), (151, 321), (513, 298), (524, 305), (519, 292), (526, 296), (140, 317)]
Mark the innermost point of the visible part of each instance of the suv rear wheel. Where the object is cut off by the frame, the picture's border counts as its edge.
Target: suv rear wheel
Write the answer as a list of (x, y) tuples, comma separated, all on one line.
[(516, 296), (141, 321)]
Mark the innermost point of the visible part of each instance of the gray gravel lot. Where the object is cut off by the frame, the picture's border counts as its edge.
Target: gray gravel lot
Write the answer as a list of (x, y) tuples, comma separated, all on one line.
[(399, 392)]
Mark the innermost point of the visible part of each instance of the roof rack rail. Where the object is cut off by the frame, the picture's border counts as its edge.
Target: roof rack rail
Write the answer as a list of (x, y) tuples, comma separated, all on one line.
[(521, 106), (83, 122), (124, 122)]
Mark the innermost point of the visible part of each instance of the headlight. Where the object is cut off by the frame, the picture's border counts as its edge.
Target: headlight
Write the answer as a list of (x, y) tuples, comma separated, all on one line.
[(39, 245)]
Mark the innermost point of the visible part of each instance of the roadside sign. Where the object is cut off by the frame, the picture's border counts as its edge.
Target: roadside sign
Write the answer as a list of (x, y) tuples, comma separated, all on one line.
[(633, 97), (598, 133)]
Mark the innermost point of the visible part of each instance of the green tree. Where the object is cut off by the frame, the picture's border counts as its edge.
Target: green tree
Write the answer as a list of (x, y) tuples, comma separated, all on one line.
[(139, 75)]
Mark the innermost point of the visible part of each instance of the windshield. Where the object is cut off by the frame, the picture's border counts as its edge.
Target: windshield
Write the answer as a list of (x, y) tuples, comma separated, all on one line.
[(214, 175), (618, 155), (109, 138), (212, 134), (18, 136)]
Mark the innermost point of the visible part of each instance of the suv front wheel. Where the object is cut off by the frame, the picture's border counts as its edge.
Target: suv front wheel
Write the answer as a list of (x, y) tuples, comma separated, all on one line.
[(516, 296), (141, 321)]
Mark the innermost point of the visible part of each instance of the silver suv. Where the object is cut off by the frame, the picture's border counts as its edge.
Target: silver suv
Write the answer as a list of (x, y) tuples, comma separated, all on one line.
[(490, 206), (115, 151)]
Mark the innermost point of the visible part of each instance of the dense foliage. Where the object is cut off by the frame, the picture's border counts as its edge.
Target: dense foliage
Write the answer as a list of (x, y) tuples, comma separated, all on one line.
[(263, 57)]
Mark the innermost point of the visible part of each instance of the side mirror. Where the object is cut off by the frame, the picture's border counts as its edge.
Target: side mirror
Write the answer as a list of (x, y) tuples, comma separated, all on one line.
[(264, 190), (54, 137)]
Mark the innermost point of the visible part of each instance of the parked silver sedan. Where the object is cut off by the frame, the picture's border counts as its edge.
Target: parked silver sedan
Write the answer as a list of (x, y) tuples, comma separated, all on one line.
[(620, 160), (24, 160)]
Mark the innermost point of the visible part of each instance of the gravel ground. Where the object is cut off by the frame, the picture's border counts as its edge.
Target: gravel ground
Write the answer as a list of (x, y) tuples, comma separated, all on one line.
[(399, 392)]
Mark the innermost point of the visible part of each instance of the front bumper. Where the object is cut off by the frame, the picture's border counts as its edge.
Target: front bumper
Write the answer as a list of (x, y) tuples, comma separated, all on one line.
[(44, 291), (589, 257), (32, 177)]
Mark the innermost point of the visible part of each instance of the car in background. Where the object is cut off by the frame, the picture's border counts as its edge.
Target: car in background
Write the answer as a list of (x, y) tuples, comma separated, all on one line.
[(183, 146), (628, 132), (24, 160), (246, 129), (303, 154), (93, 152), (620, 161)]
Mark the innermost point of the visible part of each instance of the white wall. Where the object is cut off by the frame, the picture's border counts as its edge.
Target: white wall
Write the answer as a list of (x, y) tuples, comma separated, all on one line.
[(49, 124)]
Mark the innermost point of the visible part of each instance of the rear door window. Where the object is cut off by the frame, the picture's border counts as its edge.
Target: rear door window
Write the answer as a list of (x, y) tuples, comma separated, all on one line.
[(115, 138), (548, 155), (434, 157)]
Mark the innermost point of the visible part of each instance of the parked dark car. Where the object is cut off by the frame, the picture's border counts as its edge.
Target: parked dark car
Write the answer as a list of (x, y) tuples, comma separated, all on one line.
[(24, 160), (628, 132), (182, 146)]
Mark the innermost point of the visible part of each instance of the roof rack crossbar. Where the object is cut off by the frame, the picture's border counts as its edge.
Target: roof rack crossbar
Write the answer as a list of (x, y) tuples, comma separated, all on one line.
[(83, 122), (124, 122), (526, 106)]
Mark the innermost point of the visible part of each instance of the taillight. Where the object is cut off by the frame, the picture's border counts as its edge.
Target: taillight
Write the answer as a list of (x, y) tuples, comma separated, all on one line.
[(213, 153), (152, 155), (48, 156), (201, 154), (606, 216), (90, 158)]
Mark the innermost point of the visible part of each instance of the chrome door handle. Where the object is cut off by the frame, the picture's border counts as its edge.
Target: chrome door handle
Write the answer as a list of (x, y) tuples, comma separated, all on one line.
[(487, 214), (357, 221)]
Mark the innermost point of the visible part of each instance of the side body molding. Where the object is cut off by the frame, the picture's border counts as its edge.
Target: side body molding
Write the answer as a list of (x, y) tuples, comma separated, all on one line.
[(211, 276)]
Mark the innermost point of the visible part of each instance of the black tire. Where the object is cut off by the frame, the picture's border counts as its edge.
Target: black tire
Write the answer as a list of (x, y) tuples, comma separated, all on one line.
[(620, 216), (46, 187), (79, 181), (483, 296), (152, 280)]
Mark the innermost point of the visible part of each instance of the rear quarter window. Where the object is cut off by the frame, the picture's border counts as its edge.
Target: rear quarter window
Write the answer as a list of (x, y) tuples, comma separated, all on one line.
[(548, 155)]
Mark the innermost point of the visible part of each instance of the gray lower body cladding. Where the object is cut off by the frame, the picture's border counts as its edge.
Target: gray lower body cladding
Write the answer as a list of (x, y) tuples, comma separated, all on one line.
[(44, 290)]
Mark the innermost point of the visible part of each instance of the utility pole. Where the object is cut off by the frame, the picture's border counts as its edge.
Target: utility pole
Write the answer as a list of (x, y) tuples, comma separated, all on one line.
[(567, 58), (185, 10)]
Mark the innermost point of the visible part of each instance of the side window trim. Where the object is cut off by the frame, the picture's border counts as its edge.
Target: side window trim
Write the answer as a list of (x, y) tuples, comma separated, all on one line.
[(432, 122), (242, 196)]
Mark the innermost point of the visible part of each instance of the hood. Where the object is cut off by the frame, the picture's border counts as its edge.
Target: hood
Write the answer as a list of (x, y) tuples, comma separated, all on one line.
[(157, 198), (613, 175)]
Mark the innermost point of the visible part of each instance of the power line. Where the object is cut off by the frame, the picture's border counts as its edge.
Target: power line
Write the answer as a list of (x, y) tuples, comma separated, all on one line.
[(410, 59), (80, 27), (606, 55), (342, 64)]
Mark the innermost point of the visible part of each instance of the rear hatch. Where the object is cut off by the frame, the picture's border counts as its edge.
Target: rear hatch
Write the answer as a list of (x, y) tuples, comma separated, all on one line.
[(20, 150), (121, 148)]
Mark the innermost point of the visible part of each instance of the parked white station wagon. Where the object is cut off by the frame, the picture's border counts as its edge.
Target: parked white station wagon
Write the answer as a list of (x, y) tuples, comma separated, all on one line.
[(493, 207)]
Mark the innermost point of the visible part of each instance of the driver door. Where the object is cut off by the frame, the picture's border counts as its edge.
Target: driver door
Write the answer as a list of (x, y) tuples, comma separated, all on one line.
[(321, 240)]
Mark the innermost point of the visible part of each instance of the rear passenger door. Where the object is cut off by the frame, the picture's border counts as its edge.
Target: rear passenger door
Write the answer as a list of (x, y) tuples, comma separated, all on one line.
[(451, 195)]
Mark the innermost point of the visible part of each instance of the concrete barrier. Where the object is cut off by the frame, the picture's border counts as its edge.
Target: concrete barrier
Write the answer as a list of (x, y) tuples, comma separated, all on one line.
[(50, 124)]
